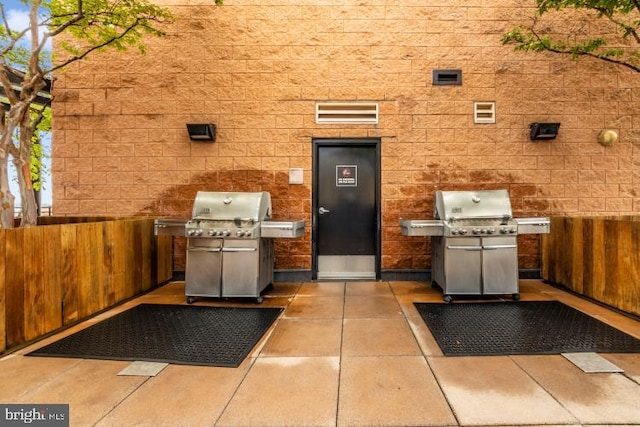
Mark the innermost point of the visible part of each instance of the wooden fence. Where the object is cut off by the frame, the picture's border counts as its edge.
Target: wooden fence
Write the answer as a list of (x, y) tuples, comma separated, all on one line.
[(598, 257), (54, 275)]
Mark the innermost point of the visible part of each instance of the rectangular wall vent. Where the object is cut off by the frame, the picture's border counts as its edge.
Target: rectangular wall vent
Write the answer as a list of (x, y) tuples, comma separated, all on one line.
[(347, 112), (484, 112), (447, 77)]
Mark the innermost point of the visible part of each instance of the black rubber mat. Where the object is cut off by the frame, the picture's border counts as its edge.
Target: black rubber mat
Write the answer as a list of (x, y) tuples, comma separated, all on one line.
[(525, 327), (180, 334)]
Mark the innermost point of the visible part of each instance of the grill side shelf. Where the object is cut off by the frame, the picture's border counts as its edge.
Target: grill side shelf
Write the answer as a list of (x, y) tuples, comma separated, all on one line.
[(540, 225), (170, 227), (422, 227), (282, 229)]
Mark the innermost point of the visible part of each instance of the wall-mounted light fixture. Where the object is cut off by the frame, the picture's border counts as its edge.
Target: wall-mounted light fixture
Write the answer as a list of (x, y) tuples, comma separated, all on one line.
[(201, 131), (543, 131), (607, 137)]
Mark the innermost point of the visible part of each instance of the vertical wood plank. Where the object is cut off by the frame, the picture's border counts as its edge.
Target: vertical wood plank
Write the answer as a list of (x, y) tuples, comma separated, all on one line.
[(146, 237), (53, 264), (129, 250), (546, 257), (610, 259), (598, 248), (33, 254), (70, 300), (138, 271), (630, 295), (117, 245), (557, 230), (99, 270), (563, 247), (105, 276), (165, 258), (3, 294), (588, 255), (614, 292), (89, 251), (577, 260), (14, 242)]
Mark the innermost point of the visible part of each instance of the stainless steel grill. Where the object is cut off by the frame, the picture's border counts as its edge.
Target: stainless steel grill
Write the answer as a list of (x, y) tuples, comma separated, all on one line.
[(229, 244), (474, 242)]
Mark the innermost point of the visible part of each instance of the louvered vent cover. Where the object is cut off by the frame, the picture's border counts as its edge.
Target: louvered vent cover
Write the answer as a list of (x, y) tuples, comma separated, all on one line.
[(447, 77), (347, 112), (484, 112)]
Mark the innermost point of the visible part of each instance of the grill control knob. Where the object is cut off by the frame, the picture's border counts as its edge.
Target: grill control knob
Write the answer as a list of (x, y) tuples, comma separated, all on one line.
[(211, 233), (248, 233), (454, 232), (476, 231), (226, 233), (240, 233), (512, 230), (491, 230), (504, 230), (463, 231)]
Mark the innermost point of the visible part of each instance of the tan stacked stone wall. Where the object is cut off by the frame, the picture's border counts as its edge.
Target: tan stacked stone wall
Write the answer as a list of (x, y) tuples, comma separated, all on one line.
[(256, 70)]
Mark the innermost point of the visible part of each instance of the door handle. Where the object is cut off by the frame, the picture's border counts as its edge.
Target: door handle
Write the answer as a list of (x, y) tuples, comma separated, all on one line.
[(323, 211)]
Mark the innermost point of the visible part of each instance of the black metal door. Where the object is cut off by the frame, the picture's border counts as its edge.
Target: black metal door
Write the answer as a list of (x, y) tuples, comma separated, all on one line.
[(346, 208)]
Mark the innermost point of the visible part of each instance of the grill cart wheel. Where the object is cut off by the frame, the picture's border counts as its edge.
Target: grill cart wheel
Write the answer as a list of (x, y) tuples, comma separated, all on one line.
[(447, 298), (515, 297), (191, 300)]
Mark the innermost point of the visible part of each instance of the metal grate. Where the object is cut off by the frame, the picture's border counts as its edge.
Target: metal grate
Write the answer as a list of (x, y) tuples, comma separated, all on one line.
[(347, 112)]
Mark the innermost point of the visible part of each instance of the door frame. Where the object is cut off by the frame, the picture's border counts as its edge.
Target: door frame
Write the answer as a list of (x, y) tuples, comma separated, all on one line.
[(344, 142)]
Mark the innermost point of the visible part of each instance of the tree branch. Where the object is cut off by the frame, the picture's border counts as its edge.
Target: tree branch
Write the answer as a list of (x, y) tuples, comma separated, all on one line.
[(94, 48), (628, 29), (77, 17), (6, 84), (588, 54)]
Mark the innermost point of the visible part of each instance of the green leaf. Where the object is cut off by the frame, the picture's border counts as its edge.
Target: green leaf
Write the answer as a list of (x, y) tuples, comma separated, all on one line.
[(607, 13)]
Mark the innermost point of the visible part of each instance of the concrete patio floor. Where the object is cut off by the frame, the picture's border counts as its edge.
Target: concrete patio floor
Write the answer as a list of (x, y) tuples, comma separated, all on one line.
[(342, 354)]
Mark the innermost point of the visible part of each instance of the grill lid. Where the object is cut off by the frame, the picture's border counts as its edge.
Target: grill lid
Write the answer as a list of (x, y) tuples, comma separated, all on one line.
[(213, 205), (453, 205)]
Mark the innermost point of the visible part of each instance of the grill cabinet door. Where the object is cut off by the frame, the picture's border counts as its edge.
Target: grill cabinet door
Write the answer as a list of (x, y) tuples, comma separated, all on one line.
[(203, 267), (240, 268), (462, 266), (500, 265)]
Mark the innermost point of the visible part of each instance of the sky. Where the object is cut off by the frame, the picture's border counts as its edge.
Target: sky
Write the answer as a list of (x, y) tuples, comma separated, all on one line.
[(17, 13), (18, 17)]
